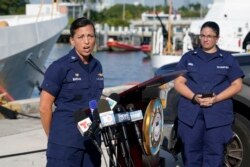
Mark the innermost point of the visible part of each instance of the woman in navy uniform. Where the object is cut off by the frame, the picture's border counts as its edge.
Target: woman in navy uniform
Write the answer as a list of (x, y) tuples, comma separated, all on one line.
[(70, 83), (205, 110)]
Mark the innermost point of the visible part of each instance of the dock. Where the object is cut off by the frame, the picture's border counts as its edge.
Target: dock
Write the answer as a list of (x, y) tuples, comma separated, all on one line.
[(139, 28), (23, 142)]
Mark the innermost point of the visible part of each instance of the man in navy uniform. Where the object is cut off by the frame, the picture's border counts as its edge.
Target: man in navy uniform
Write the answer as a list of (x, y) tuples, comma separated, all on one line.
[(205, 110), (70, 83)]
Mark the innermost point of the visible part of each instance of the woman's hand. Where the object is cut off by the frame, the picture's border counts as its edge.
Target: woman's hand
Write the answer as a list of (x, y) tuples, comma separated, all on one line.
[(207, 101)]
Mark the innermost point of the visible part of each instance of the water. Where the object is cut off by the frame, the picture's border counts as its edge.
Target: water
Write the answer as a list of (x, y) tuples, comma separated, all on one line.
[(118, 67)]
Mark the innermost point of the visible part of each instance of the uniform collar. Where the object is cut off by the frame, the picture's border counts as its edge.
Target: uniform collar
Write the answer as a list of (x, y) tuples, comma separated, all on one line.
[(75, 57), (200, 53)]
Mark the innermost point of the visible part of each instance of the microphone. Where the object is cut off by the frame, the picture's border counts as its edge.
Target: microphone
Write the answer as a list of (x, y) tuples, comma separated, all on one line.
[(113, 99), (107, 119), (135, 116), (94, 128), (106, 115), (123, 116), (82, 120), (92, 105), (86, 127)]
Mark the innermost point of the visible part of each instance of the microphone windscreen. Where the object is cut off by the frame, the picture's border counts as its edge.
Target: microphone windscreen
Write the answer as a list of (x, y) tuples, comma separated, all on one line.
[(106, 115), (103, 106), (119, 108), (115, 96), (80, 115), (130, 106), (93, 104)]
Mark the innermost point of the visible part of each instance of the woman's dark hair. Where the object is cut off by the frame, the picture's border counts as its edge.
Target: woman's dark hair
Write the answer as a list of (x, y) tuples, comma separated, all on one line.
[(80, 22), (214, 26)]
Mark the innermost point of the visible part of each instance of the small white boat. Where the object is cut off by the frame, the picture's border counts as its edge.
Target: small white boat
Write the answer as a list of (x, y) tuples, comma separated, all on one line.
[(162, 53)]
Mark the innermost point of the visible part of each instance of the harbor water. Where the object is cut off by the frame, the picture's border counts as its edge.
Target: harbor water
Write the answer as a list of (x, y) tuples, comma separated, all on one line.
[(119, 68)]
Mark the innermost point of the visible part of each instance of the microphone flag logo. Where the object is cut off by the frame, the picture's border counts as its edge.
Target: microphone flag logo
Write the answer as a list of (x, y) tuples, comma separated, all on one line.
[(83, 125), (111, 102)]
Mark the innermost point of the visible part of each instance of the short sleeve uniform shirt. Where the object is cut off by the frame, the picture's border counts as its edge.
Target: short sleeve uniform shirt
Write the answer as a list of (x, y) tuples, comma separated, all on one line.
[(208, 73), (73, 84)]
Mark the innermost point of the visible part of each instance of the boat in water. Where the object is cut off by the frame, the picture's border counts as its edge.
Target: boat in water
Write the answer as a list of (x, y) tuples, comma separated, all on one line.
[(163, 51), (26, 42), (234, 30), (124, 42)]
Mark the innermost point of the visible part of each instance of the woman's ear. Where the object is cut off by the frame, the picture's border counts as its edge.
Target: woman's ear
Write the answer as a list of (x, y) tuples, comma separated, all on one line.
[(71, 40)]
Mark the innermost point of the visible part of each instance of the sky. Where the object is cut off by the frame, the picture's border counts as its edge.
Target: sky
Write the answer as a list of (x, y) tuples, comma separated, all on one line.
[(176, 3)]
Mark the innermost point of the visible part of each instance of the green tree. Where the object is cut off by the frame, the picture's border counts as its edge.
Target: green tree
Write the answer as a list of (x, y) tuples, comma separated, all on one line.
[(12, 7), (193, 10), (114, 15)]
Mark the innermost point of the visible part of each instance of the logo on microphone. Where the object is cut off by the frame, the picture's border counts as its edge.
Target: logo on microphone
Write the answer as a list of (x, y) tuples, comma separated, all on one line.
[(136, 115), (111, 102), (84, 125), (107, 118), (122, 117)]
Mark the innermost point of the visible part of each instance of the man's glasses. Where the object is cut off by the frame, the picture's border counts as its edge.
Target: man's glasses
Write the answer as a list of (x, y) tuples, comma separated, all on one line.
[(202, 36)]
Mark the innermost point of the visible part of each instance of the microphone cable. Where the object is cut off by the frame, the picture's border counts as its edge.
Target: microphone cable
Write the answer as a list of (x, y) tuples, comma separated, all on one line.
[(109, 147), (100, 150), (91, 133)]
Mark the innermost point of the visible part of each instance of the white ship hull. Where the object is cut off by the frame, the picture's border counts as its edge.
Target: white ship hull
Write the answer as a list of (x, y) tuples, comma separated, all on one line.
[(161, 60), (234, 29), (24, 47)]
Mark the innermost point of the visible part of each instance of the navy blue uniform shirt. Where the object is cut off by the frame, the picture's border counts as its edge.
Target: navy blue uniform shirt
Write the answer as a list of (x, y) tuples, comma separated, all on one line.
[(73, 84), (208, 73)]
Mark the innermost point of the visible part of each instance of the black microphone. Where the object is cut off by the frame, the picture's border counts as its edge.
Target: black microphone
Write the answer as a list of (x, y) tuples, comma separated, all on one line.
[(94, 128), (135, 115), (86, 126), (107, 119), (82, 120), (113, 99), (120, 110), (122, 117), (106, 115)]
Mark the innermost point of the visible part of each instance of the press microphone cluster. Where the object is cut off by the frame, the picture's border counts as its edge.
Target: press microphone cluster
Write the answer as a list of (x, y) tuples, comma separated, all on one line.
[(108, 118)]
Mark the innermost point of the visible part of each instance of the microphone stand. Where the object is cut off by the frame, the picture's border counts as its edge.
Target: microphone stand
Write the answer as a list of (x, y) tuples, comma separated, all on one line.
[(124, 139), (109, 146)]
